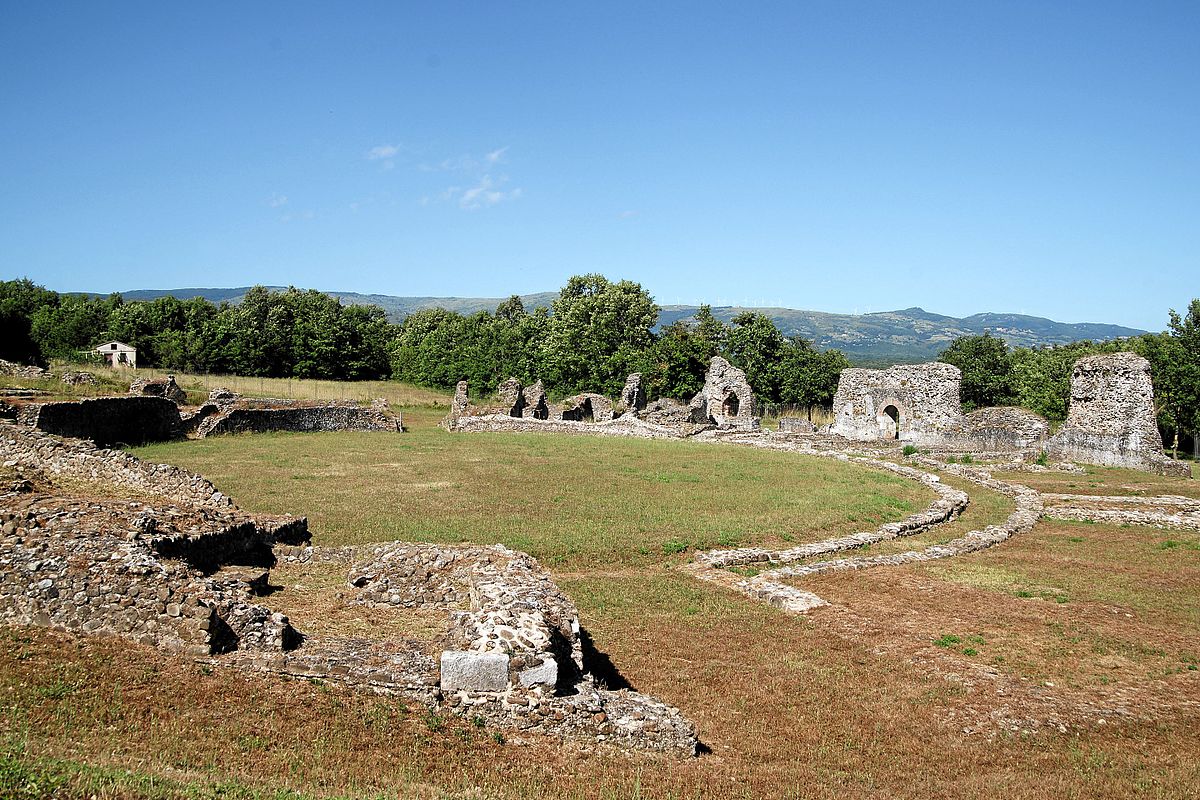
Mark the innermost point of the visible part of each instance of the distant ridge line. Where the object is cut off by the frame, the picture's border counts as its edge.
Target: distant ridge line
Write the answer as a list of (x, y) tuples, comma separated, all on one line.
[(905, 335)]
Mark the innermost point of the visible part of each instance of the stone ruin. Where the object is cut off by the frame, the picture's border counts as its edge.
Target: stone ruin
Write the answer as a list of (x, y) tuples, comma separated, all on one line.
[(534, 403), (1111, 418), (633, 395), (169, 561), (726, 403), (586, 407), (910, 403), (138, 418), (726, 399), (159, 387), (510, 397)]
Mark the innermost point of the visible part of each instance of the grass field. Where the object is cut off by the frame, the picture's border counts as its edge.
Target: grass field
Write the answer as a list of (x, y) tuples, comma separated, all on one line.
[(1060, 664)]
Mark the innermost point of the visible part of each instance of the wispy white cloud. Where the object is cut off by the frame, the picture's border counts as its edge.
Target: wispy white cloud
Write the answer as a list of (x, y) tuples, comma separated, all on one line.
[(496, 156), (627, 214), (383, 151), (487, 193), (277, 200)]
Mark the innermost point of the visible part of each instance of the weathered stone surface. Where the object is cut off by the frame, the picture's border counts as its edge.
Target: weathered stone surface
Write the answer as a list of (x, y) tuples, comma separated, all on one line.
[(586, 407), (633, 396), (796, 425), (1111, 418), (510, 398), (158, 387), (20, 370), (533, 402), (78, 378), (473, 672), (109, 420), (251, 417), (913, 403), (461, 400), (1001, 429), (726, 399), (544, 674)]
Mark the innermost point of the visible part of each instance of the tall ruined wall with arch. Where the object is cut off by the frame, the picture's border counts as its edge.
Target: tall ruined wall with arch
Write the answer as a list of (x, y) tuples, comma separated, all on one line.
[(912, 403)]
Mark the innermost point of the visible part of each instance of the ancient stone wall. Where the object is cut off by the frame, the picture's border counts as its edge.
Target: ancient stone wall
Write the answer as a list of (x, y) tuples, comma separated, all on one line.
[(1111, 418), (533, 402), (109, 420), (187, 576), (510, 398), (300, 418), (1002, 429), (796, 425), (633, 395), (159, 387), (726, 399), (586, 407), (913, 403)]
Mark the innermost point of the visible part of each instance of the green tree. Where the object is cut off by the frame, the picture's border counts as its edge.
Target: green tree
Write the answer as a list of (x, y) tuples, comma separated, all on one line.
[(987, 370), (597, 334), (756, 346)]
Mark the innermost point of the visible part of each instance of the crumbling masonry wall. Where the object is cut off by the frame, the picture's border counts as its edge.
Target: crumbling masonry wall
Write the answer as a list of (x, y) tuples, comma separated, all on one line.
[(913, 403)]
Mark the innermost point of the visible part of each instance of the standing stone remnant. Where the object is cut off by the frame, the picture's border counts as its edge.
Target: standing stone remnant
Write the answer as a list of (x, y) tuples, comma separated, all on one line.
[(1111, 418), (511, 401), (913, 403), (459, 407), (533, 401), (633, 396), (726, 398)]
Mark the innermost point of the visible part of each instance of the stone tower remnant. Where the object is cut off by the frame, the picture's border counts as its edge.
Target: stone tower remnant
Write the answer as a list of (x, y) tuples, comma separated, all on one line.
[(1111, 418)]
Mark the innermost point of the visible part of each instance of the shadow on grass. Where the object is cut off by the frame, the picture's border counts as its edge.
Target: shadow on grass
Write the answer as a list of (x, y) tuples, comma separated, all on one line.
[(600, 665)]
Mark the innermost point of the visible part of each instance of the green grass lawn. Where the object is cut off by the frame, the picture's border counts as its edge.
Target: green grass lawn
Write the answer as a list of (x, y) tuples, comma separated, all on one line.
[(574, 502)]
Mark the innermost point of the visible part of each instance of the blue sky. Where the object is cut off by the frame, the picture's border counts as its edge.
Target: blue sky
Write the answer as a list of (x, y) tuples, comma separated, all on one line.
[(1028, 157)]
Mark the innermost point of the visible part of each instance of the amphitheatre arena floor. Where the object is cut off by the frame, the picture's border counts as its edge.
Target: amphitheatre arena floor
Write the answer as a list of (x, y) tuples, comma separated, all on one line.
[(1062, 663)]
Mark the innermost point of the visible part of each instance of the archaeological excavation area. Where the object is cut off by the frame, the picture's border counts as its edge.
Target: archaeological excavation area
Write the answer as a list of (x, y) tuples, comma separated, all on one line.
[(604, 596)]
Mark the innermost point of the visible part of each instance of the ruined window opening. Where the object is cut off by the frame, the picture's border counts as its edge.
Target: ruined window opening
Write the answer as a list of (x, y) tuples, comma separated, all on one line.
[(731, 405), (894, 413), (585, 412)]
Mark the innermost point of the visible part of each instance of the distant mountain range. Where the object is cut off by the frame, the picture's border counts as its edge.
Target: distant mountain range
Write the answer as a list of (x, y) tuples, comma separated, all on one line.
[(908, 335)]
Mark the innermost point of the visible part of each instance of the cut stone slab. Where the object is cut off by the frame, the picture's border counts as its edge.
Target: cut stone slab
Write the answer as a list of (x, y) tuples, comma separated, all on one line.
[(544, 674), (474, 672)]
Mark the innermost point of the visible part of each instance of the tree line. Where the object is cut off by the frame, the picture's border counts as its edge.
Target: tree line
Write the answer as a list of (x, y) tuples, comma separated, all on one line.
[(590, 339)]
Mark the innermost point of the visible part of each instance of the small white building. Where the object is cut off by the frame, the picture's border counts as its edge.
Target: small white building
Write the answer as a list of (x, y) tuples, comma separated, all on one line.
[(117, 354)]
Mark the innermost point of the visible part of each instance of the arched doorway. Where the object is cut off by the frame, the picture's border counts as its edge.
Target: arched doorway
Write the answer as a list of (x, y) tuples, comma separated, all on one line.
[(731, 405), (891, 421)]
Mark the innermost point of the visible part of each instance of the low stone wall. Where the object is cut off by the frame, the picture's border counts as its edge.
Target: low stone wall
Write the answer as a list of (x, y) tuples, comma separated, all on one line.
[(300, 418), (625, 425), (101, 567), (520, 629), (1001, 429), (1165, 511), (55, 458), (108, 420), (796, 425), (185, 575)]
